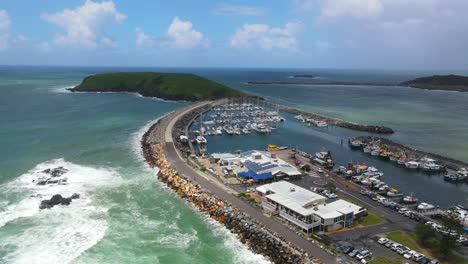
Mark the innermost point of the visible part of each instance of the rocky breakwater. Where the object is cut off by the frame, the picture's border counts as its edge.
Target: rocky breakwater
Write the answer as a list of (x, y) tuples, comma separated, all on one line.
[(333, 121), (255, 236)]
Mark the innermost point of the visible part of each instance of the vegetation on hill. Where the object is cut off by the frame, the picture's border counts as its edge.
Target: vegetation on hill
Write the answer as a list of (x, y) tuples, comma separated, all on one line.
[(440, 82), (170, 86)]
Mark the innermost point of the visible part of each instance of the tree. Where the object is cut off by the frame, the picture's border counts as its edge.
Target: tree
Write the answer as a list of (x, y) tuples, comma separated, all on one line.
[(424, 233)]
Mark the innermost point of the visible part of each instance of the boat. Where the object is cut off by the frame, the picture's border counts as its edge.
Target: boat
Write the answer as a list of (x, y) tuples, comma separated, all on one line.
[(412, 164), (410, 199), (402, 160), (451, 177), (245, 130), (201, 140), (394, 193), (425, 207), (394, 157), (321, 124), (272, 147), (376, 152), (367, 149), (355, 144)]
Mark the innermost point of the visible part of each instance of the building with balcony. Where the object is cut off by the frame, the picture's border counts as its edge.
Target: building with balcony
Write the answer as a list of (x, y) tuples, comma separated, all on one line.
[(307, 210)]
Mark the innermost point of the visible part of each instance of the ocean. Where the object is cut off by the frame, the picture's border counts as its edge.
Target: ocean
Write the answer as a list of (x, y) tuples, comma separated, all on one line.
[(124, 215)]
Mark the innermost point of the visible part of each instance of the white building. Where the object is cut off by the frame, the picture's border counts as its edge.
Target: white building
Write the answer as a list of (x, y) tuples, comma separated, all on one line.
[(262, 165), (307, 210)]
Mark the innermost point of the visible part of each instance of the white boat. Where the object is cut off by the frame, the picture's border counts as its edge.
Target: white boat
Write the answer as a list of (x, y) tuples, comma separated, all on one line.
[(321, 124), (410, 199), (218, 131), (201, 140), (412, 164), (425, 207), (367, 149), (246, 131)]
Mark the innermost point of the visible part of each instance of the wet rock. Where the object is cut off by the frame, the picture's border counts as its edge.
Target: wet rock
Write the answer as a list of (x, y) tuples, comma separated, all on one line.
[(57, 199)]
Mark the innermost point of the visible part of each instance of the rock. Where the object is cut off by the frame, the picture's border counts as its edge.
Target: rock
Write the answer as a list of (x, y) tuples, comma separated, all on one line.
[(57, 199)]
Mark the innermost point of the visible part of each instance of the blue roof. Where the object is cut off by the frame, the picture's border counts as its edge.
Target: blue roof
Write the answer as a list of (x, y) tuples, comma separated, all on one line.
[(255, 176), (259, 167)]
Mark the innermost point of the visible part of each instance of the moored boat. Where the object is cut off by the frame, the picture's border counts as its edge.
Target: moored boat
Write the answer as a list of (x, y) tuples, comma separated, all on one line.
[(410, 199), (412, 164), (425, 207)]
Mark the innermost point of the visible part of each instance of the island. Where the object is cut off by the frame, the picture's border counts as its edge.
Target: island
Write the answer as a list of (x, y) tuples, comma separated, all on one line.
[(435, 82), (440, 82), (303, 76), (168, 86)]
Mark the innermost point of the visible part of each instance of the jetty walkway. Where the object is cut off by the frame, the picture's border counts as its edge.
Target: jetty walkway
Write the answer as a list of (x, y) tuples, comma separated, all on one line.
[(180, 164)]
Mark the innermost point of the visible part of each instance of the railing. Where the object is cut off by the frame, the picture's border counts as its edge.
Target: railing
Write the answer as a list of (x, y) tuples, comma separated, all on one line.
[(268, 206), (298, 222)]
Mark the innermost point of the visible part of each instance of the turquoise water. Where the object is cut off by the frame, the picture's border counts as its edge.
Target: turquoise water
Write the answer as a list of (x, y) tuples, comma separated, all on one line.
[(124, 215)]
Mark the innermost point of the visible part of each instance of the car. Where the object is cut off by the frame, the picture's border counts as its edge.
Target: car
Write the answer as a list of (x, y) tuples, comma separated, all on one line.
[(407, 255), (402, 210), (388, 244), (429, 223), (353, 253), (347, 250), (332, 196), (424, 260), (395, 246), (363, 254), (434, 261), (382, 240), (402, 250), (417, 257)]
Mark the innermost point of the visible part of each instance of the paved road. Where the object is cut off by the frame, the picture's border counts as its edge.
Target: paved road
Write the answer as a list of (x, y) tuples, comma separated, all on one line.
[(182, 167)]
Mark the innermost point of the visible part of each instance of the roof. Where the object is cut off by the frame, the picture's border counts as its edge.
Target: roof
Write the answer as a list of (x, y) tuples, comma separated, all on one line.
[(336, 208), (261, 162), (291, 196), (223, 155)]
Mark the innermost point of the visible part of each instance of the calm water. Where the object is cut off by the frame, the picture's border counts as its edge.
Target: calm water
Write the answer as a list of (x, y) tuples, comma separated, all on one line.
[(124, 215)]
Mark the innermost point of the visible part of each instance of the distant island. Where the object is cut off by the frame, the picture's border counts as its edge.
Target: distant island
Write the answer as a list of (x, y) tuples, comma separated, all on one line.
[(169, 86), (435, 82), (303, 76), (440, 82)]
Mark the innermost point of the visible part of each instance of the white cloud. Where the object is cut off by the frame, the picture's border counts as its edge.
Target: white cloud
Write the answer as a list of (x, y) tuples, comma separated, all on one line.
[(238, 10), (304, 5), (85, 25), (4, 29), (350, 8), (267, 38), (179, 35)]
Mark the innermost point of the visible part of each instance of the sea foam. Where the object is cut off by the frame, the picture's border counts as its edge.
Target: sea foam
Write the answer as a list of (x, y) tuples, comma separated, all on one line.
[(60, 234)]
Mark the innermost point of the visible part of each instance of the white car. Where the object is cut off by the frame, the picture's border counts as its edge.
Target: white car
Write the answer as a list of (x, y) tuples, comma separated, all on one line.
[(382, 240), (407, 255)]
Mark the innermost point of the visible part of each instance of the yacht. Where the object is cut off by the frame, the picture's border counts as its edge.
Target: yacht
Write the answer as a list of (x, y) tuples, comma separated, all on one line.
[(201, 140), (394, 193), (245, 130), (425, 207), (355, 143), (367, 149), (412, 164), (321, 124), (410, 199)]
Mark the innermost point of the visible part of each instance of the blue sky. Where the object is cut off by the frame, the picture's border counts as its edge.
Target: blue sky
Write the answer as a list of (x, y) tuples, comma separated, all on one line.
[(382, 34)]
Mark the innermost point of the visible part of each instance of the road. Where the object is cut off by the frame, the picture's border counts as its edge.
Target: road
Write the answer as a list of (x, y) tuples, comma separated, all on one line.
[(183, 168)]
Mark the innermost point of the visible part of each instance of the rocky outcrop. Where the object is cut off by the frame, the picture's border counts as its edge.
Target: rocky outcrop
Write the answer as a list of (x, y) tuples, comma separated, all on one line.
[(51, 176), (57, 199)]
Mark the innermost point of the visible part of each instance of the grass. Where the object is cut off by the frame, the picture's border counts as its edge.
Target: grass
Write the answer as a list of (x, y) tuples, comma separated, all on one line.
[(383, 260), (172, 86), (246, 197), (372, 218), (405, 238)]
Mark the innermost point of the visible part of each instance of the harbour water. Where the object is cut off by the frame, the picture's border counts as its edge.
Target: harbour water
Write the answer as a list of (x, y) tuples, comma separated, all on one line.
[(124, 215)]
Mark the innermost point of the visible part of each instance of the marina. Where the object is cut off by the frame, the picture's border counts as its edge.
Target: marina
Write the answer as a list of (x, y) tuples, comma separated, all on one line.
[(418, 183)]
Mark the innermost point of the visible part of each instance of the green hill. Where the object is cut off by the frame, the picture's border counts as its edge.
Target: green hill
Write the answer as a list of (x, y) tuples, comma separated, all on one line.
[(440, 82), (169, 86)]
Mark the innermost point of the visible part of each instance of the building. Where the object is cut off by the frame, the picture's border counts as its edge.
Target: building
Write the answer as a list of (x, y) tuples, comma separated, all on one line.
[(307, 210), (262, 165)]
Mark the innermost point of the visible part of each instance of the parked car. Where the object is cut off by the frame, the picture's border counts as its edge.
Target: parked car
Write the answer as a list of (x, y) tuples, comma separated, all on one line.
[(417, 257), (353, 253), (363, 254), (382, 240), (395, 246), (388, 244)]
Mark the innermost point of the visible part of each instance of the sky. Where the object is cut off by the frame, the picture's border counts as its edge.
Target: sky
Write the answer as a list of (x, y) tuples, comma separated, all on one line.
[(352, 34)]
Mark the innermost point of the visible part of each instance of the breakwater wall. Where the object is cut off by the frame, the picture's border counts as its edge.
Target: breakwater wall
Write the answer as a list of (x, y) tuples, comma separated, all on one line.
[(252, 234), (332, 121), (414, 153)]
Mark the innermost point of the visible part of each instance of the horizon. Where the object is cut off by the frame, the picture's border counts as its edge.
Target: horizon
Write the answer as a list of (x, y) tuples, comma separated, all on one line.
[(301, 34)]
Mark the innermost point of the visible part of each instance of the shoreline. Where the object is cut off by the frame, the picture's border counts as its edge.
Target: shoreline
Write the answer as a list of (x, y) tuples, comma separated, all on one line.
[(255, 236)]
